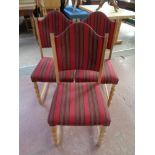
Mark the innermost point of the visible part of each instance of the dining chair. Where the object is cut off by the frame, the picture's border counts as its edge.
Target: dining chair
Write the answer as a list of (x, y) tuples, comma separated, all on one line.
[(78, 104), (54, 22), (101, 24), (48, 5)]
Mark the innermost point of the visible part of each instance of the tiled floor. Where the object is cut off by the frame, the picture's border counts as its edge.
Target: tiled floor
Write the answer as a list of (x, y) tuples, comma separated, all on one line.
[(35, 137)]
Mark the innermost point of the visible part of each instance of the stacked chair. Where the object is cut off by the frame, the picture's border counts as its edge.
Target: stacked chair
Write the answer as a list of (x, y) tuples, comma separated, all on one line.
[(101, 24), (79, 68), (55, 22)]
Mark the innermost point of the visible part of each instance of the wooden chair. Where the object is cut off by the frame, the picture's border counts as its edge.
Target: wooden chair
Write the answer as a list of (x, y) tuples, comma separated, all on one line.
[(55, 22), (78, 104), (101, 24), (48, 5)]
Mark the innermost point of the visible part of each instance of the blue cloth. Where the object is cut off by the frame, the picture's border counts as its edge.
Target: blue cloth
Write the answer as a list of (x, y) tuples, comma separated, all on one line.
[(78, 13)]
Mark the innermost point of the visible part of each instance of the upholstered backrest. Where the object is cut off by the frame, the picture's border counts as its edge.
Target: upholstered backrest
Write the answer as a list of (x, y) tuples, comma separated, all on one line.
[(55, 22), (102, 24), (79, 47)]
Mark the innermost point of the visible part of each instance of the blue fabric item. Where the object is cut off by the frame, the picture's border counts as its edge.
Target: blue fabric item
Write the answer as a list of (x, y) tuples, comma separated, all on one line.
[(78, 13)]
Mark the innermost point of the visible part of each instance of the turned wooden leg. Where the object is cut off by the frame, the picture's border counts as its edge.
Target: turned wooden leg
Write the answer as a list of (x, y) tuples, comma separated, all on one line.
[(37, 92), (56, 134), (101, 135), (111, 94)]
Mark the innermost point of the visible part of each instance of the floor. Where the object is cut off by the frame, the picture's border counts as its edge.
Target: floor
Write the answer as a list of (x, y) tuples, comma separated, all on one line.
[(35, 137)]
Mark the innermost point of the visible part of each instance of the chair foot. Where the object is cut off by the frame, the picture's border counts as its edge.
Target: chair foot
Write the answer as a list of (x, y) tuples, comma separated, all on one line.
[(56, 134), (111, 94), (37, 92), (41, 96), (101, 135)]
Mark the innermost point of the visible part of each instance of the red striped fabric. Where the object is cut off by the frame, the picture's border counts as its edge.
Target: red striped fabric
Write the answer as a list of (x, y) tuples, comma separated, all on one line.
[(78, 104), (101, 24), (45, 72), (109, 76), (79, 47), (55, 22)]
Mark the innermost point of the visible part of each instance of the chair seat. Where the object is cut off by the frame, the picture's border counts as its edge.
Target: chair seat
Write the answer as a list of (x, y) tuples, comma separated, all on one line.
[(78, 104), (109, 75), (45, 72)]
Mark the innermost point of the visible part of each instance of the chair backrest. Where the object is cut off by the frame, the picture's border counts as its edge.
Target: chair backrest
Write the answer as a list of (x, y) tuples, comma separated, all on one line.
[(54, 22), (79, 47), (102, 24)]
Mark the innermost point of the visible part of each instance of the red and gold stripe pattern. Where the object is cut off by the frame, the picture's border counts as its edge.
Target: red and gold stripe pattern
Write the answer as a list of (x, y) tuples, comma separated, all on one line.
[(79, 47), (109, 76), (45, 72), (78, 104), (101, 24), (55, 22)]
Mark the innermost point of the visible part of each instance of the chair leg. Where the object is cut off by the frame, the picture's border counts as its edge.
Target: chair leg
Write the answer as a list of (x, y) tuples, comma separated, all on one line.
[(111, 94), (37, 92), (101, 135), (56, 134)]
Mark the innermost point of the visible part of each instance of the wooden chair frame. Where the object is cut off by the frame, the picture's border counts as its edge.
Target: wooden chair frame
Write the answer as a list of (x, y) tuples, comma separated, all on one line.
[(44, 8), (111, 93), (54, 130), (112, 89), (40, 95)]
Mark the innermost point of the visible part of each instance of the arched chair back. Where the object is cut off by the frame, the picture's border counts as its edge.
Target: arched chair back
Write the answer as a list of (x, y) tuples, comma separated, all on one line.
[(54, 22), (79, 47), (101, 25)]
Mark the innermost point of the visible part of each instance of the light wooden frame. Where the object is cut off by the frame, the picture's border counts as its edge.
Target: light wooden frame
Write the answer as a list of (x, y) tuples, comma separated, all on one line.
[(54, 130), (41, 95), (38, 35), (44, 7), (114, 36)]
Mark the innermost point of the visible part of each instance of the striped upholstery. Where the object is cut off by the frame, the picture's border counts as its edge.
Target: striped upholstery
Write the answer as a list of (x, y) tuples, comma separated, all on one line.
[(55, 22), (101, 24), (45, 72), (79, 47), (80, 104), (109, 75)]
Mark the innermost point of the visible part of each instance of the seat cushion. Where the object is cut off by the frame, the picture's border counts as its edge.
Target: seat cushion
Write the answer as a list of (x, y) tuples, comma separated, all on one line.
[(45, 72), (109, 75), (80, 104)]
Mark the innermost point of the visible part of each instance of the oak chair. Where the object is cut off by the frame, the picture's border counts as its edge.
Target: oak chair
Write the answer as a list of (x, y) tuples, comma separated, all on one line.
[(48, 5), (54, 22), (78, 104), (101, 24)]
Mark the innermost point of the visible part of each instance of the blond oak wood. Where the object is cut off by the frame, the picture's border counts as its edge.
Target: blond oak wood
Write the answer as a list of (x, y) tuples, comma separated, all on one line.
[(43, 92), (56, 134), (38, 36), (114, 38), (111, 94), (110, 13), (106, 89), (33, 27), (37, 92), (52, 37), (46, 5), (101, 135), (117, 29), (102, 57)]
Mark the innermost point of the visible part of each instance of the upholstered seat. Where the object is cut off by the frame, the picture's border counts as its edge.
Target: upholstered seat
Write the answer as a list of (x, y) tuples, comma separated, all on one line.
[(80, 104), (109, 76), (45, 72)]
